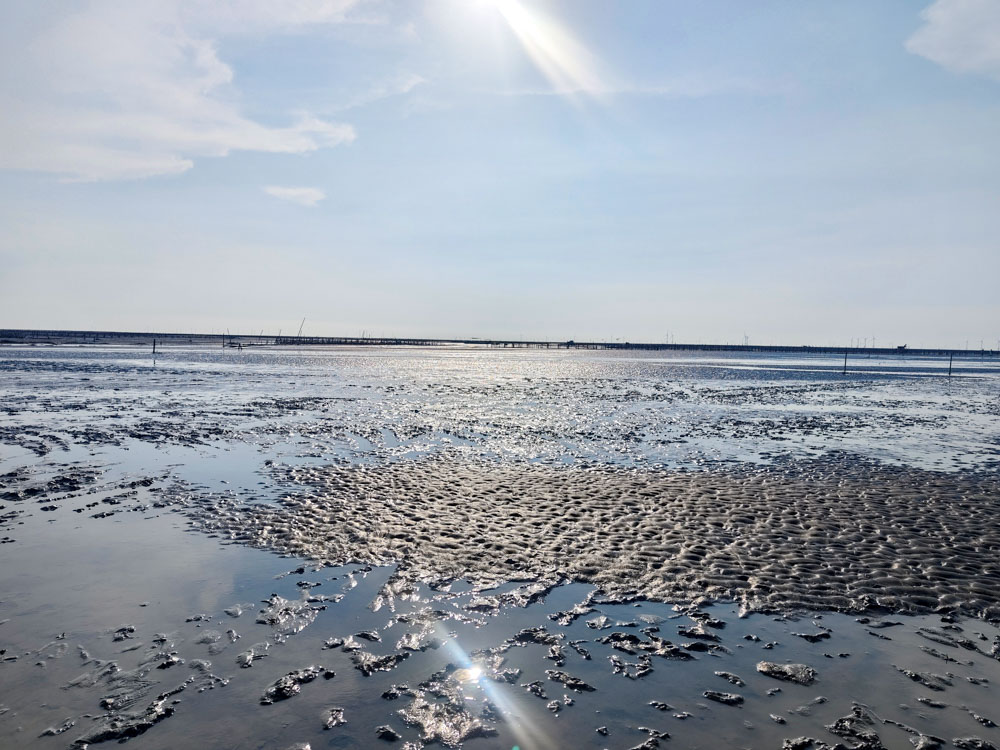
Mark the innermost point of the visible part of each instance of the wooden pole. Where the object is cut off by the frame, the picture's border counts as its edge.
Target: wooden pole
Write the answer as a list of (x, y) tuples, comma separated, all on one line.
[(950, 360), (845, 362)]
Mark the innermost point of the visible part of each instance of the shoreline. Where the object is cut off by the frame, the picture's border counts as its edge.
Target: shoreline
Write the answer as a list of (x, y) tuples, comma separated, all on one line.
[(33, 337)]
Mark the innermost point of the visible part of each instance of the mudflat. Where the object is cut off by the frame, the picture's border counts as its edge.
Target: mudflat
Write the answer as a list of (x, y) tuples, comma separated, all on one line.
[(496, 549)]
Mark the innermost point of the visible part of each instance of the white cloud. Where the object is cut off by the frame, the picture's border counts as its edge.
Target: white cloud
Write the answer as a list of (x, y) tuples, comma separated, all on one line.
[(960, 35), (304, 196), (120, 89)]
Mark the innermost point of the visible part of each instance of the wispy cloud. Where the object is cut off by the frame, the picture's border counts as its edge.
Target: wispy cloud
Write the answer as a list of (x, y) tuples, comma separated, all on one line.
[(685, 87), (304, 196), (255, 15), (960, 35), (120, 90), (397, 86)]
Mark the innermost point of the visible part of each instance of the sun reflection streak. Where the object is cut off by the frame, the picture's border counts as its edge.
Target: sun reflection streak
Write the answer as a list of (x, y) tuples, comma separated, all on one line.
[(567, 64), (528, 732)]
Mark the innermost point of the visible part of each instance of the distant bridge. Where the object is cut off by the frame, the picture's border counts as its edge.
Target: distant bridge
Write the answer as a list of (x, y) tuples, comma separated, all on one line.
[(133, 338)]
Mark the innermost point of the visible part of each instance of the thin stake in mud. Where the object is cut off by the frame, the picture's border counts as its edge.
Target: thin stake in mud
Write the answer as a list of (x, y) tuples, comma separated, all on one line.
[(845, 361), (950, 360)]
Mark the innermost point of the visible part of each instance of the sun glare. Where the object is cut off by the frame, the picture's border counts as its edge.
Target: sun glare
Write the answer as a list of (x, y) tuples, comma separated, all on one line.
[(470, 674), (568, 66)]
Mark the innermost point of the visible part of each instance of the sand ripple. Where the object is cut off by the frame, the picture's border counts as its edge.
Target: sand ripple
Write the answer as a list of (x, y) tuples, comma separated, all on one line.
[(829, 534)]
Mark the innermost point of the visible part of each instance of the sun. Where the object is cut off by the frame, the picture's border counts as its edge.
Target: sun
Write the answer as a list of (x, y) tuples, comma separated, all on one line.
[(498, 4)]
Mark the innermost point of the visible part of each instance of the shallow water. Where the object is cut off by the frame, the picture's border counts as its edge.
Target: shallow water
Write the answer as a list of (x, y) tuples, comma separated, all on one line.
[(147, 452), (607, 407)]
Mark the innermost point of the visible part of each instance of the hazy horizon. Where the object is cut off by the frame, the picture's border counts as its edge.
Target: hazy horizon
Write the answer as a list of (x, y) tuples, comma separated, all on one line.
[(537, 169)]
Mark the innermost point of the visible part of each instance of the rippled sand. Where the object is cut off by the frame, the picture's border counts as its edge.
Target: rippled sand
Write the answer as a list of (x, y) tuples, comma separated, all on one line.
[(830, 534)]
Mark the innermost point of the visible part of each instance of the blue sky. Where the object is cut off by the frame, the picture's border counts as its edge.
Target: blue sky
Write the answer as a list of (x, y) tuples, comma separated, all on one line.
[(799, 172)]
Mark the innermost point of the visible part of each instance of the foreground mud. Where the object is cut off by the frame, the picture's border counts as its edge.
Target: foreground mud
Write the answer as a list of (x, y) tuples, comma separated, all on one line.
[(182, 642)]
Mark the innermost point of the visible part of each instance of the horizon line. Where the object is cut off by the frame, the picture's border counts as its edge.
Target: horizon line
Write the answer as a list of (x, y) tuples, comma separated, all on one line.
[(14, 336)]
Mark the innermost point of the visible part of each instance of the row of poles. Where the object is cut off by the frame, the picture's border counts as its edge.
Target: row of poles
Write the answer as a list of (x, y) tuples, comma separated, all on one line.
[(951, 360)]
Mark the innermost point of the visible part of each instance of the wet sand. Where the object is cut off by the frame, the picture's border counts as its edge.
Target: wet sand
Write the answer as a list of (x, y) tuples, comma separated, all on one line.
[(472, 582)]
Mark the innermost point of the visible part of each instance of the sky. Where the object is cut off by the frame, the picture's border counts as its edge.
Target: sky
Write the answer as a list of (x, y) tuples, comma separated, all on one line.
[(795, 172)]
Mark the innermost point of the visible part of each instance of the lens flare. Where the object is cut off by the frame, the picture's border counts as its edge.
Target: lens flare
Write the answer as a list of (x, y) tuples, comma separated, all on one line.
[(517, 716)]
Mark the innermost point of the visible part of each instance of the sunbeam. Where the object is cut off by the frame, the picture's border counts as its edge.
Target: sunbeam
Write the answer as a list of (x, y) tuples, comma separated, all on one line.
[(569, 67)]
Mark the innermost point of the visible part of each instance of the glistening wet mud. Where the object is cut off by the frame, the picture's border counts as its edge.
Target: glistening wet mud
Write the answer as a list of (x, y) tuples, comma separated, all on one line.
[(491, 551)]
